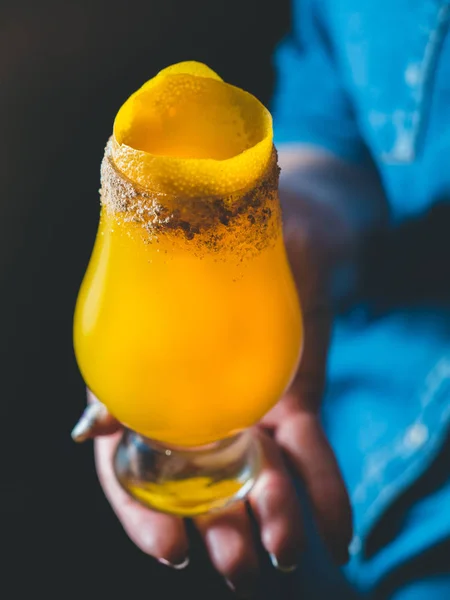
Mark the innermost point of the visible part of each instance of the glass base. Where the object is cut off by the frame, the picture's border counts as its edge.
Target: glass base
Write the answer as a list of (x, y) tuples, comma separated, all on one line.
[(187, 481)]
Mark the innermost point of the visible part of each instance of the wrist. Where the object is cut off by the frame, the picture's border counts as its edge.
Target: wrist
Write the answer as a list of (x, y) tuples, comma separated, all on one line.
[(329, 207), (322, 246)]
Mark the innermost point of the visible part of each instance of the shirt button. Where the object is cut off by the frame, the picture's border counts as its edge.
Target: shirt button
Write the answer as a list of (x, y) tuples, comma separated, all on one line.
[(355, 546), (413, 75), (416, 436)]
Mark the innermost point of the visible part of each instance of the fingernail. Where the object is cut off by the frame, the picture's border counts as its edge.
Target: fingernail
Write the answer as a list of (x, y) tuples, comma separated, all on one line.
[(279, 567), (240, 593), (86, 423), (177, 566)]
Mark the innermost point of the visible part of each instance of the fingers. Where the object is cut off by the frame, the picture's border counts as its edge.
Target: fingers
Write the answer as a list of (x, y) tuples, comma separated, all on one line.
[(229, 540), (162, 536), (304, 441), (94, 421), (276, 508), (228, 535)]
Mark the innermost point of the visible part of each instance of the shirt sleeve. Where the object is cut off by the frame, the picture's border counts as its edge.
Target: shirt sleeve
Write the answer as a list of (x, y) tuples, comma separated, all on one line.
[(310, 104)]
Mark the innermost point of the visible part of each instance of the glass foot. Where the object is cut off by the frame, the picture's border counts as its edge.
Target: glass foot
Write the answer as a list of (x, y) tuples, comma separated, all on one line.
[(187, 481)]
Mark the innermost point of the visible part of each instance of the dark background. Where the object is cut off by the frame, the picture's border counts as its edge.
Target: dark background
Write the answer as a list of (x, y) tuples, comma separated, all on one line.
[(65, 69)]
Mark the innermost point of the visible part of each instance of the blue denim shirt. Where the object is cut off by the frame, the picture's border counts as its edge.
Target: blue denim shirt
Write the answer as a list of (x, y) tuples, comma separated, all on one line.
[(369, 80)]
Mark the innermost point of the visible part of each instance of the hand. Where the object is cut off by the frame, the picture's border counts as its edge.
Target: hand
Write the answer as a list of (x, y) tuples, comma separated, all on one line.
[(292, 429)]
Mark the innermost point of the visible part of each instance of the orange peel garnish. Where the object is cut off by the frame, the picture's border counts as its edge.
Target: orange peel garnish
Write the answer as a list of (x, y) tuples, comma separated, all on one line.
[(187, 132)]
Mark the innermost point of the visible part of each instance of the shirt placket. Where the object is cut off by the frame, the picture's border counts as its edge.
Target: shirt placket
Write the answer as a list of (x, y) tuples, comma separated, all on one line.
[(405, 126)]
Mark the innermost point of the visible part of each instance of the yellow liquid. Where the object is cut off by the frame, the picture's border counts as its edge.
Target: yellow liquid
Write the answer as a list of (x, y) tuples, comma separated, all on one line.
[(186, 345), (187, 498), (187, 324)]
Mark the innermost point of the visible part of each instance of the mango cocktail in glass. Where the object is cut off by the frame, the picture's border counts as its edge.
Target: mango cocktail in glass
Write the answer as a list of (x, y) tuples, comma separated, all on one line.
[(187, 325)]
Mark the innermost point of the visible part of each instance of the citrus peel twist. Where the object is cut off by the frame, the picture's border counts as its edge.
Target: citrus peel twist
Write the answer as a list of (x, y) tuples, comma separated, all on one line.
[(188, 133)]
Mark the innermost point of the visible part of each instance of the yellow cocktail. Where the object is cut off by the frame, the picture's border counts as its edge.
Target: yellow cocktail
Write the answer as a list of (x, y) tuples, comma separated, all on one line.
[(187, 324)]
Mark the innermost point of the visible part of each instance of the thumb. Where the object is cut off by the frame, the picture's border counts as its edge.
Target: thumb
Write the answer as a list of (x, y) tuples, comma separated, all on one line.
[(95, 421)]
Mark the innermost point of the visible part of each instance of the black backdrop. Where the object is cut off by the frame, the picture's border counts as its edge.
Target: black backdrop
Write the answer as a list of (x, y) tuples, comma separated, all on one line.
[(65, 68)]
